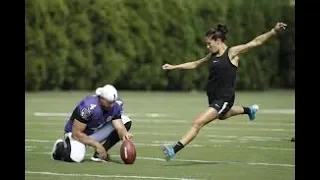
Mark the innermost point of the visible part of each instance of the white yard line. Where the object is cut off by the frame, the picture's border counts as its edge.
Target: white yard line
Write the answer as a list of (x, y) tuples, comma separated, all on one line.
[(104, 176), (211, 136), (137, 126), (161, 143), (176, 120), (161, 121), (138, 144), (199, 161), (156, 115)]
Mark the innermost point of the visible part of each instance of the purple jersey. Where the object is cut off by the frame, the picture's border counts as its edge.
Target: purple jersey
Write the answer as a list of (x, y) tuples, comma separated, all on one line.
[(89, 111)]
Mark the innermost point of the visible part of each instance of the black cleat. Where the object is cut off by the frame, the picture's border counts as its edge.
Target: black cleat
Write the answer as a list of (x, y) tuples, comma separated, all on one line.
[(57, 144)]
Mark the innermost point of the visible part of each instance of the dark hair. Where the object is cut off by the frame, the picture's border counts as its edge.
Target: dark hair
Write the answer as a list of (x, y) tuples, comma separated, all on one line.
[(220, 32)]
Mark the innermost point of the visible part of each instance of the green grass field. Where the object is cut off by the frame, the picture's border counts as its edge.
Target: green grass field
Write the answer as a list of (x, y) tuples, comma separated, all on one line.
[(233, 149)]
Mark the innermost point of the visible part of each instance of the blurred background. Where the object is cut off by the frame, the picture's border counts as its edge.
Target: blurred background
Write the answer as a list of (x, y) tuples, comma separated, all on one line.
[(82, 44)]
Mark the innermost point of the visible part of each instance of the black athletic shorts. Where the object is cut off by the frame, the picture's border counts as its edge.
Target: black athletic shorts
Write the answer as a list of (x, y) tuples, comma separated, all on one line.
[(220, 104)]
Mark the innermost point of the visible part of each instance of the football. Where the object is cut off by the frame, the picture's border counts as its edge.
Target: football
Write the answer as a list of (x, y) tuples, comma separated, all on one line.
[(128, 152)]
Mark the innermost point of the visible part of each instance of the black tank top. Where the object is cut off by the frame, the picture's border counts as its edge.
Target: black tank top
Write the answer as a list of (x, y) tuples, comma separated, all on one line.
[(222, 77)]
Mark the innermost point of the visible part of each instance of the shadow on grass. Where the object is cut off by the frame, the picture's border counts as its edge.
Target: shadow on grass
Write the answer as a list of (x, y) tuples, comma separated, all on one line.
[(192, 163), (116, 161)]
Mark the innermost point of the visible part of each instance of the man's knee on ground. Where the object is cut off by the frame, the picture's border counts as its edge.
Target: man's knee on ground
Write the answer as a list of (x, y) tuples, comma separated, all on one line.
[(77, 150), (77, 157)]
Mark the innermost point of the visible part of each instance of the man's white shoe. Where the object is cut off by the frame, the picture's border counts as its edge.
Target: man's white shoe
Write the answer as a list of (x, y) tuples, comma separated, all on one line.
[(95, 159)]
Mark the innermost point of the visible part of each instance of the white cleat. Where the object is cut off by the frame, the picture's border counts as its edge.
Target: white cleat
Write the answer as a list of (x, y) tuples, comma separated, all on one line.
[(95, 159)]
